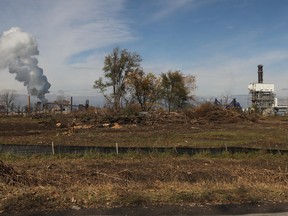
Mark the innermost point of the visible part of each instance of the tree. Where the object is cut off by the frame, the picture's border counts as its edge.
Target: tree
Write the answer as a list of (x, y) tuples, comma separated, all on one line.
[(117, 66), (177, 89), (144, 88), (225, 97), (7, 99)]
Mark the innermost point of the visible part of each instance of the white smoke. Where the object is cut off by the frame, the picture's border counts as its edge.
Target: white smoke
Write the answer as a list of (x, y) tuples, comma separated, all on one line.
[(17, 52)]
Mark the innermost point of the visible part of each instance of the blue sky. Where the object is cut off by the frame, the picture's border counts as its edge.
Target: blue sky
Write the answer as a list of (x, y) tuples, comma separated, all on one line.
[(221, 42)]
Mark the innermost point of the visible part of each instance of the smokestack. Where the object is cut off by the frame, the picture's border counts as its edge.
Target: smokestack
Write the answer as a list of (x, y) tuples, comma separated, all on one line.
[(28, 104), (260, 73), (71, 104)]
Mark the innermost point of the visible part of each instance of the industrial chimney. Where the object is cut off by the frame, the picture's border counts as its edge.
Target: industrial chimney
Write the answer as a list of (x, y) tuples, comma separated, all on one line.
[(260, 73), (262, 95)]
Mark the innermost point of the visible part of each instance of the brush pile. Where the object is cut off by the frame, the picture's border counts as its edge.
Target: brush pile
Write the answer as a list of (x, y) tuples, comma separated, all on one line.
[(210, 113), (206, 113), (8, 175)]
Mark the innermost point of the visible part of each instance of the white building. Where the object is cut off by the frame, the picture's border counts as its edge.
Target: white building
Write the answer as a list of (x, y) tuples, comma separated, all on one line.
[(262, 94)]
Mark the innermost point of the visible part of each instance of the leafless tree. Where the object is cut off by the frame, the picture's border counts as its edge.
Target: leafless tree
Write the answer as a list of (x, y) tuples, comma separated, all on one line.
[(7, 100)]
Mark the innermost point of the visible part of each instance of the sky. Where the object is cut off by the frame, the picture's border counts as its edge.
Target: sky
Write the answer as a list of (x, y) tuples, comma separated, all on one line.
[(220, 42)]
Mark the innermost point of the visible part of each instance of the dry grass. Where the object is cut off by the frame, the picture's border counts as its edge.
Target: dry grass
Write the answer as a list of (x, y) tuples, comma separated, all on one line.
[(205, 126), (95, 180), (151, 179)]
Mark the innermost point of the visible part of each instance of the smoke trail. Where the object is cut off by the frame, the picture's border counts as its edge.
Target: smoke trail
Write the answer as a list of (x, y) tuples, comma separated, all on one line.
[(17, 51)]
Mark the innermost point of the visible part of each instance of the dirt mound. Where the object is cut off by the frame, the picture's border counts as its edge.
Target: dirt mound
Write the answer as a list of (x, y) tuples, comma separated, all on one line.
[(10, 176)]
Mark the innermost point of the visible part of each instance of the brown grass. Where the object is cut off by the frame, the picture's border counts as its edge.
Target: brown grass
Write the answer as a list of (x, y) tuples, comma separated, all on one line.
[(194, 128), (95, 180), (151, 179)]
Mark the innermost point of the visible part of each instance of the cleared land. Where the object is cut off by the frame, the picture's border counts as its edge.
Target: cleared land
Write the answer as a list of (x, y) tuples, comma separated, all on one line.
[(34, 182)]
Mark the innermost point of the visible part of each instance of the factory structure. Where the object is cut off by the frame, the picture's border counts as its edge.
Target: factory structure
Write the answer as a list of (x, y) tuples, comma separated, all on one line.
[(263, 98)]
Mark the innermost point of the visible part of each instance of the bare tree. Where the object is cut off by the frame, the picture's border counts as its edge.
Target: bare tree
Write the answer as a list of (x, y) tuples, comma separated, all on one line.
[(225, 97), (7, 100)]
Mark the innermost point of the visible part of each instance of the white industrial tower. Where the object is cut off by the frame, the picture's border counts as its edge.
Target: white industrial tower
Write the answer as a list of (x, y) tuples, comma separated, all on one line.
[(262, 95)]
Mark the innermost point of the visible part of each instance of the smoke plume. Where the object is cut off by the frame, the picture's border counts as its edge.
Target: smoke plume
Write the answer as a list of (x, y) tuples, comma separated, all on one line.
[(17, 53)]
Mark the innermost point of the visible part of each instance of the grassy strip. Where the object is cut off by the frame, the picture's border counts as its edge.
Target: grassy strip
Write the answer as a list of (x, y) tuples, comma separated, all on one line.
[(269, 133), (109, 180), (130, 155)]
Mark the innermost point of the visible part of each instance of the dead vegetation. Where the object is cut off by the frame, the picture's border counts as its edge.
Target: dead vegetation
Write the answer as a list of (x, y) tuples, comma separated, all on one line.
[(101, 181), (9, 176), (204, 126), (94, 180), (210, 113), (204, 114)]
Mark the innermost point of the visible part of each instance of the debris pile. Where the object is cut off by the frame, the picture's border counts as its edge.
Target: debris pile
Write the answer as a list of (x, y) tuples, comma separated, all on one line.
[(163, 117), (206, 113), (211, 113), (10, 176)]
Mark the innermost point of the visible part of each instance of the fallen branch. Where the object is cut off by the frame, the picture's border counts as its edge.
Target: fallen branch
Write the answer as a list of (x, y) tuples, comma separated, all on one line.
[(112, 177)]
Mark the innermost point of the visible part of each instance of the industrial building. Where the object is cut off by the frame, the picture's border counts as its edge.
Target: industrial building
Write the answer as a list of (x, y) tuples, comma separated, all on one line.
[(262, 94), (263, 97)]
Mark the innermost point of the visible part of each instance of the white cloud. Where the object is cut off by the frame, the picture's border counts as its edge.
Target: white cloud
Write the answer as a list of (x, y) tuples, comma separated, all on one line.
[(73, 37), (169, 6), (223, 73), (64, 29)]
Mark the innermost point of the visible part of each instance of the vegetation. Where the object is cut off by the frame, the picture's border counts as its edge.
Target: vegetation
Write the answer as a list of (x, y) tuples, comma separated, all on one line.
[(7, 101), (95, 180), (130, 84), (204, 126), (176, 89), (116, 68), (144, 89), (89, 180)]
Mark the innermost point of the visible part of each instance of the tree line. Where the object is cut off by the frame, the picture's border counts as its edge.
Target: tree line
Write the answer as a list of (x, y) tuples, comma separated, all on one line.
[(125, 83)]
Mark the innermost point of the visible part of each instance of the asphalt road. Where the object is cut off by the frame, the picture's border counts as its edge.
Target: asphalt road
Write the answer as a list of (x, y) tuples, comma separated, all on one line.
[(276, 209)]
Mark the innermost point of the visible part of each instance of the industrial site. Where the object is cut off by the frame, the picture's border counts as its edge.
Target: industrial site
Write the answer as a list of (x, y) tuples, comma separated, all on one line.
[(263, 97), (155, 107), (152, 144)]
